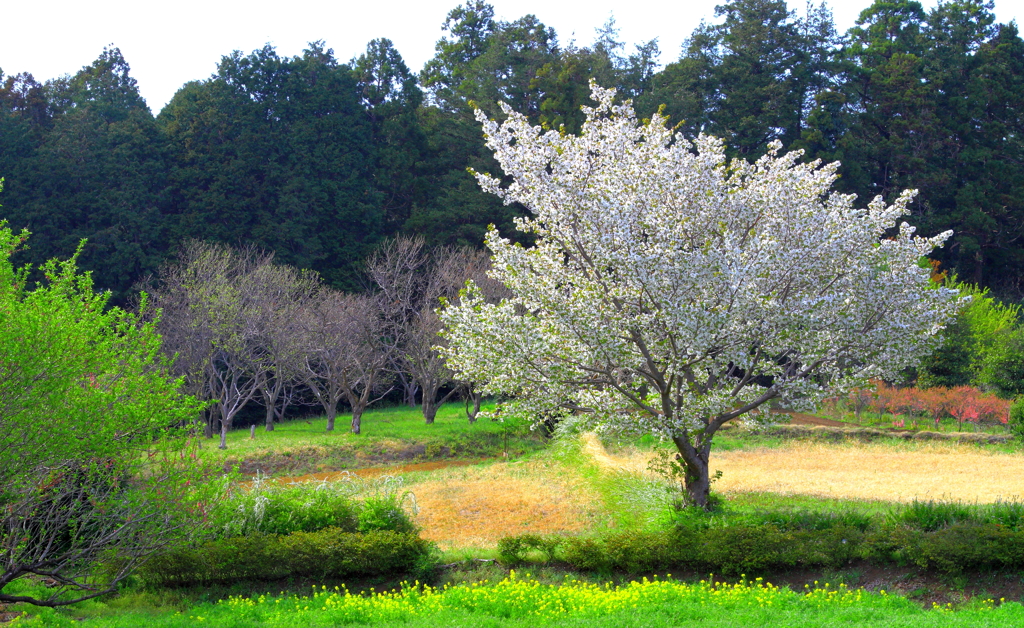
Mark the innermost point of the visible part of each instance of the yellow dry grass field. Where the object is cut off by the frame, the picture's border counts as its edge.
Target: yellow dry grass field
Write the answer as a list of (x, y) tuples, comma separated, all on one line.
[(856, 471), (477, 506)]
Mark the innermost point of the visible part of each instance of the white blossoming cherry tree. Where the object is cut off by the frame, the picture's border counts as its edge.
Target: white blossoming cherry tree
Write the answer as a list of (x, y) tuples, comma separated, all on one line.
[(670, 290)]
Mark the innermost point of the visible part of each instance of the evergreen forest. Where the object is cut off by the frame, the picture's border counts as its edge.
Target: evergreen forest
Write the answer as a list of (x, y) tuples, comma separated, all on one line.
[(319, 160)]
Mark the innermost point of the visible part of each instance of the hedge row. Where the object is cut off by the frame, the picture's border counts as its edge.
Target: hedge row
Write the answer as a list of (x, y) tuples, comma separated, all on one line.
[(751, 549), (327, 553)]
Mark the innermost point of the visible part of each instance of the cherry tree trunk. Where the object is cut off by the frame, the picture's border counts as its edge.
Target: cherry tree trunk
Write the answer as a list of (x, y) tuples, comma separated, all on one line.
[(332, 412), (429, 407), (270, 417), (696, 479)]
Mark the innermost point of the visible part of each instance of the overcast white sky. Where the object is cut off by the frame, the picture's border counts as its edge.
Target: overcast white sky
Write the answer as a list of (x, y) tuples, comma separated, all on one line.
[(170, 43)]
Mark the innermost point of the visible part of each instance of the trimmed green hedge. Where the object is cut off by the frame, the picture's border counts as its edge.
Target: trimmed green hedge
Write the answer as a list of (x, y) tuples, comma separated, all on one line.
[(327, 553), (746, 548)]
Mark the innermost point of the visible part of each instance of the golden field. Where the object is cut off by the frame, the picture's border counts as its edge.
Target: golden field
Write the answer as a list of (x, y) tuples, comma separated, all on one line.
[(870, 471), (477, 506)]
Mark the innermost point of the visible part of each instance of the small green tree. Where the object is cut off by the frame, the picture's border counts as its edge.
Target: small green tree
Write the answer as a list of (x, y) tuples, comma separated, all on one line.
[(975, 344), (1004, 367), (93, 461)]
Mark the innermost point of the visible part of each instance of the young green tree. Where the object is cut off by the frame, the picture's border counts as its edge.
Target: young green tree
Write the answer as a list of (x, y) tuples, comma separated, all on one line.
[(93, 458)]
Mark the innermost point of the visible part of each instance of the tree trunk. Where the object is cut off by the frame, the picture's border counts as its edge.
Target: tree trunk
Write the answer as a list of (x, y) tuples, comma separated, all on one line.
[(224, 425), (696, 479), (270, 417), (332, 412), (429, 407), (409, 388), (476, 398), (698, 484), (357, 420), (208, 419)]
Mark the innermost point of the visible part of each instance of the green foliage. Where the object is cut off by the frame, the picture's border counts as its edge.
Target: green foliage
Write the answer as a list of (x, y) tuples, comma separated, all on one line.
[(93, 458), (942, 536), (950, 366), (751, 78), (383, 508), (1016, 422), (349, 504), (271, 508), (928, 516), (513, 550), (960, 547), (1004, 366), (327, 553), (276, 151), (981, 346), (731, 549), (88, 164)]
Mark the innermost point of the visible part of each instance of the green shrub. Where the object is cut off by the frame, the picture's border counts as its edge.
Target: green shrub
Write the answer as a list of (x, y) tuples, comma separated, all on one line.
[(385, 512), (943, 536), (1016, 421), (1004, 365), (965, 546), (929, 516), (266, 507), (747, 548), (1007, 514), (969, 546), (270, 508), (513, 550), (638, 552), (812, 519), (328, 553), (585, 554)]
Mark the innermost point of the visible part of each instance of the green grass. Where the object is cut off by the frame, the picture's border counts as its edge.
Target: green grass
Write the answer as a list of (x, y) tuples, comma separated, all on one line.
[(388, 435), (525, 602)]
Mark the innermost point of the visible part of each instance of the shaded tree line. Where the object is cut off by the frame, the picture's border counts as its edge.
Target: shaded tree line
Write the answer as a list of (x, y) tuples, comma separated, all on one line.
[(319, 160), (241, 328)]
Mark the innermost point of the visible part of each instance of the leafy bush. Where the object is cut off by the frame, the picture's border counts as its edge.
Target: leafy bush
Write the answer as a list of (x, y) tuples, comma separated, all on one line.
[(92, 471), (963, 546), (513, 550), (1016, 420), (973, 342), (1007, 514), (349, 504), (729, 550), (328, 553), (1004, 367), (943, 536), (383, 508), (812, 519), (929, 516)]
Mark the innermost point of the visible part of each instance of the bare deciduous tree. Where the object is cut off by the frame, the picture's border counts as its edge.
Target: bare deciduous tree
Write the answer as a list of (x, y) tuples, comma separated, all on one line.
[(412, 280), (346, 352), (215, 323), (283, 292)]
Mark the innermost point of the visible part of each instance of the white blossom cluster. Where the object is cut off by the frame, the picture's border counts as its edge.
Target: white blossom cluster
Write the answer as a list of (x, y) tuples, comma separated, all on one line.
[(670, 289)]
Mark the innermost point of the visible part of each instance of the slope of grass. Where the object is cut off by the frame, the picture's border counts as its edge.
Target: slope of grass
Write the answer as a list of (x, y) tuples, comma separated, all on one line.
[(396, 434)]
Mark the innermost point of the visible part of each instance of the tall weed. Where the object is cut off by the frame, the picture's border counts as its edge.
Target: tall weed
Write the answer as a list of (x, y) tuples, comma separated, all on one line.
[(929, 516), (350, 504)]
